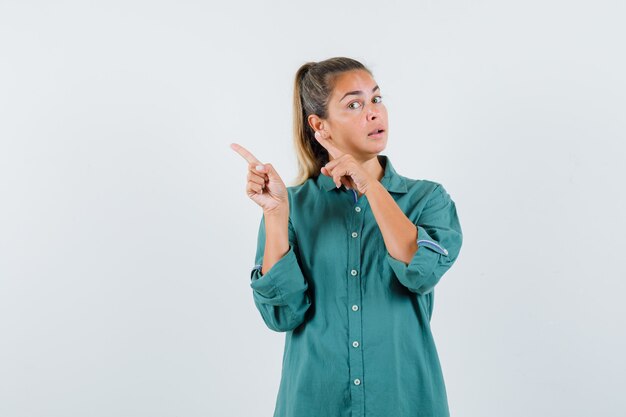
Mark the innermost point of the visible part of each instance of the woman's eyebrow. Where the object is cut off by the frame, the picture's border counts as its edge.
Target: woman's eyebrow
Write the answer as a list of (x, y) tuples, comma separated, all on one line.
[(357, 92)]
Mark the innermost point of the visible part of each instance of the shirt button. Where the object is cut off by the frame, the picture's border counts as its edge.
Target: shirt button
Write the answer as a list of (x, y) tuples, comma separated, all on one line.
[(355, 307), (357, 209), (357, 381), (353, 272), (354, 234), (355, 344)]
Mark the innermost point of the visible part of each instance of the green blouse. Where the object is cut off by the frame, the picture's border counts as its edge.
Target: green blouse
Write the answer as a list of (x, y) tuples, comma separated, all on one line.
[(358, 341)]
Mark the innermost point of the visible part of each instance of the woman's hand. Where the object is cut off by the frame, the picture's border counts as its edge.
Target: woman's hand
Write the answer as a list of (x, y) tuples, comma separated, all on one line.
[(264, 187), (344, 169)]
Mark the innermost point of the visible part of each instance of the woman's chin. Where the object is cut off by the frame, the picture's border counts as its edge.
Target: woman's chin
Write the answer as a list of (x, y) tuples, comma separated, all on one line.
[(379, 142)]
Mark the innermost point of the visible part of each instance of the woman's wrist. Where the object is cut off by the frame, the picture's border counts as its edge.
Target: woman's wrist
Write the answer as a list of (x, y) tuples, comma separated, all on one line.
[(279, 212)]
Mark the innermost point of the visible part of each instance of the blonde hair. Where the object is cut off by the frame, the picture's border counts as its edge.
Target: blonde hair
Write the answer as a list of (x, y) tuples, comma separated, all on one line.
[(313, 86)]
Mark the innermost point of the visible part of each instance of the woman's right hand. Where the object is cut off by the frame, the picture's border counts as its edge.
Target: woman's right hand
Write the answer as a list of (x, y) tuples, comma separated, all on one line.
[(264, 187)]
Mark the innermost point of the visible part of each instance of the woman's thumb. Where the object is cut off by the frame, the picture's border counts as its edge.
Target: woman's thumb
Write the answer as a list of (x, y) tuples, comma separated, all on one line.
[(269, 170)]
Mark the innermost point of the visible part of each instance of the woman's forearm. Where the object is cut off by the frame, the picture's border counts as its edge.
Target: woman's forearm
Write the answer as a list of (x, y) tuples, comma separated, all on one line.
[(399, 233)]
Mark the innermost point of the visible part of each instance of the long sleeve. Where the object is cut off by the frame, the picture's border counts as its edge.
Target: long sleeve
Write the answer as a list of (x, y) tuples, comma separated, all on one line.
[(281, 294), (439, 240)]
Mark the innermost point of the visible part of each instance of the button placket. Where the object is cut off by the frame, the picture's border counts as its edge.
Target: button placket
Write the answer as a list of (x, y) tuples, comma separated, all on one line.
[(355, 227)]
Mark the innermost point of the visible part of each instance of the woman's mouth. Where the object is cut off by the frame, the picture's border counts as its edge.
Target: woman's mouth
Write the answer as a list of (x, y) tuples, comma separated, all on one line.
[(376, 134)]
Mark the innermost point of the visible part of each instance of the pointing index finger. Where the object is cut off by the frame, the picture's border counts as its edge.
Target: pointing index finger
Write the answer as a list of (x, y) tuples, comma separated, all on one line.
[(332, 149), (246, 154)]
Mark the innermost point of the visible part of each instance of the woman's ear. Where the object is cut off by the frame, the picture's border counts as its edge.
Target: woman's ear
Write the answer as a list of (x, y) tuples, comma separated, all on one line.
[(316, 123)]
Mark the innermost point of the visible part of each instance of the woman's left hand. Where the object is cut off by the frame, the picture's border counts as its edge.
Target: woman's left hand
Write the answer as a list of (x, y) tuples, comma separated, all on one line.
[(344, 165)]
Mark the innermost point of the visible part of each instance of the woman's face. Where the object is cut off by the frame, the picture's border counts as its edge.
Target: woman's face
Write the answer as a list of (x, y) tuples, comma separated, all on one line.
[(355, 109)]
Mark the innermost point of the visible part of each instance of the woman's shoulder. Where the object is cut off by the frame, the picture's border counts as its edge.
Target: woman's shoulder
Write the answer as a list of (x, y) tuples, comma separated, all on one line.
[(423, 186), (421, 182), (309, 185), (303, 191)]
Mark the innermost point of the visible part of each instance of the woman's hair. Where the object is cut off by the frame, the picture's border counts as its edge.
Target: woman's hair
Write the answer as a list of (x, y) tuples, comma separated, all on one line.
[(313, 87)]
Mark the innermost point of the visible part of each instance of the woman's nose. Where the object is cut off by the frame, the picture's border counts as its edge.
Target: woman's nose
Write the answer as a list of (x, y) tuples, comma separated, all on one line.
[(372, 113)]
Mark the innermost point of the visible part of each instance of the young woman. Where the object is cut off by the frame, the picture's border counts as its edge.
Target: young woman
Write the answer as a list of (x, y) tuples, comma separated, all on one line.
[(347, 259)]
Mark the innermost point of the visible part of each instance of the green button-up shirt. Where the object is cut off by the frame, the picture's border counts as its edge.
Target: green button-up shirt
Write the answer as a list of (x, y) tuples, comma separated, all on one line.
[(358, 341)]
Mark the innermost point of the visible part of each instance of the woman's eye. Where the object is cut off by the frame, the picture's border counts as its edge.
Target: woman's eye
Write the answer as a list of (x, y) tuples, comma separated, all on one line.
[(380, 98), (354, 102)]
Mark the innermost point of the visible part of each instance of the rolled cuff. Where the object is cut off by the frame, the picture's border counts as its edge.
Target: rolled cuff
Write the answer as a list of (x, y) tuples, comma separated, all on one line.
[(284, 278), (419, 272)]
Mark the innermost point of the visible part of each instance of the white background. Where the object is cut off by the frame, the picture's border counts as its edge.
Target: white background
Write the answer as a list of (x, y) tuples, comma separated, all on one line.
[(126, 237)]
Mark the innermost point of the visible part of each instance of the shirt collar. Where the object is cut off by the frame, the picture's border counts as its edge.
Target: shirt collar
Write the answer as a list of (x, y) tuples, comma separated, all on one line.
[(391, 180)]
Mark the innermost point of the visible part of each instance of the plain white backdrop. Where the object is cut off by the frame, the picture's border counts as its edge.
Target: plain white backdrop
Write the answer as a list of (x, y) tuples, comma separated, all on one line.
[(126, 237)]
